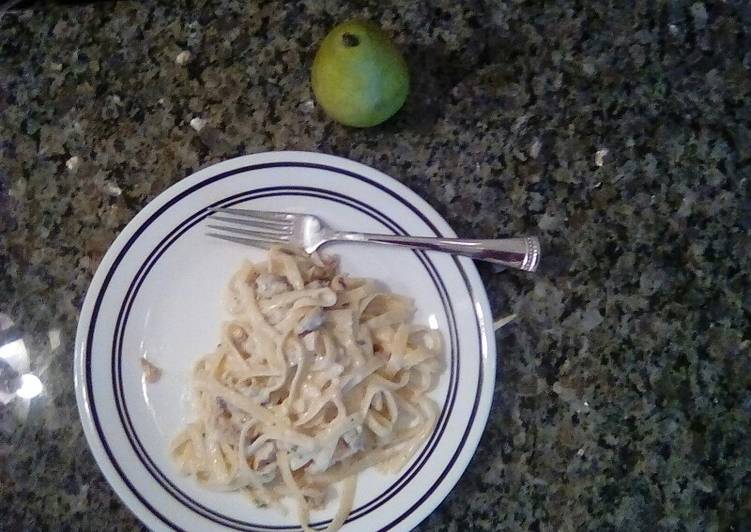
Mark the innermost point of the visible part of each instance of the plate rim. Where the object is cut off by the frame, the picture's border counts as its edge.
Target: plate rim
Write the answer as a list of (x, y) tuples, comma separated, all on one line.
[(478, 294)]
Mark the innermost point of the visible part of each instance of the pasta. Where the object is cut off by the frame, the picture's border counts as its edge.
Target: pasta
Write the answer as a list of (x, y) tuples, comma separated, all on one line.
[(317, 377)]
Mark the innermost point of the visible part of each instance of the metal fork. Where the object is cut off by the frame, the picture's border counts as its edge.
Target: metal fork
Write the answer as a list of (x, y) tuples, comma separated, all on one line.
[(264, 229)]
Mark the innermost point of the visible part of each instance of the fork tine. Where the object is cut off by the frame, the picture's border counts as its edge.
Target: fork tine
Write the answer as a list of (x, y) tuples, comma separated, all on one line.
[(279, 227), (263, 244), (250, 213), (261, 235)]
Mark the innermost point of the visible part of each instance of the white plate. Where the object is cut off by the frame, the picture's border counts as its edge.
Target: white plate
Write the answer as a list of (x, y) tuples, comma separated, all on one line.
[(157, 293)]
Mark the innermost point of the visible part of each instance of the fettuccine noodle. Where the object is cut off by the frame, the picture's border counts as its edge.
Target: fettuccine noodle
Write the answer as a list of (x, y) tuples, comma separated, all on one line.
[(317, 377)]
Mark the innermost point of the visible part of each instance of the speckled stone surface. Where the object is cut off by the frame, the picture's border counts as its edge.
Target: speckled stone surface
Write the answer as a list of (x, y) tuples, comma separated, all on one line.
[(621, 135)]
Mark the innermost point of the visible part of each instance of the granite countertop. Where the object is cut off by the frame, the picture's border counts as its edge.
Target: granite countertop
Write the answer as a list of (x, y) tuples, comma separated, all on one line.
[(621, 135)]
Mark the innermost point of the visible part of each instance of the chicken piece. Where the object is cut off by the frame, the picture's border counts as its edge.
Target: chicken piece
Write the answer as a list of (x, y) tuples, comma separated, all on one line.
[(312, 321), (265, 455), (338, 283), (151, 372), (269, 285)]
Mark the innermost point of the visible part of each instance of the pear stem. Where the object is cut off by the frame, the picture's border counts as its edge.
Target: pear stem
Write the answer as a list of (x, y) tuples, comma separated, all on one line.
[(350, 40)]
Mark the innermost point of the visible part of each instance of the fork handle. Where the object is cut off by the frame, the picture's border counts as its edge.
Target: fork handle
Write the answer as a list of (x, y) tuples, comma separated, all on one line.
[(520, 253)]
